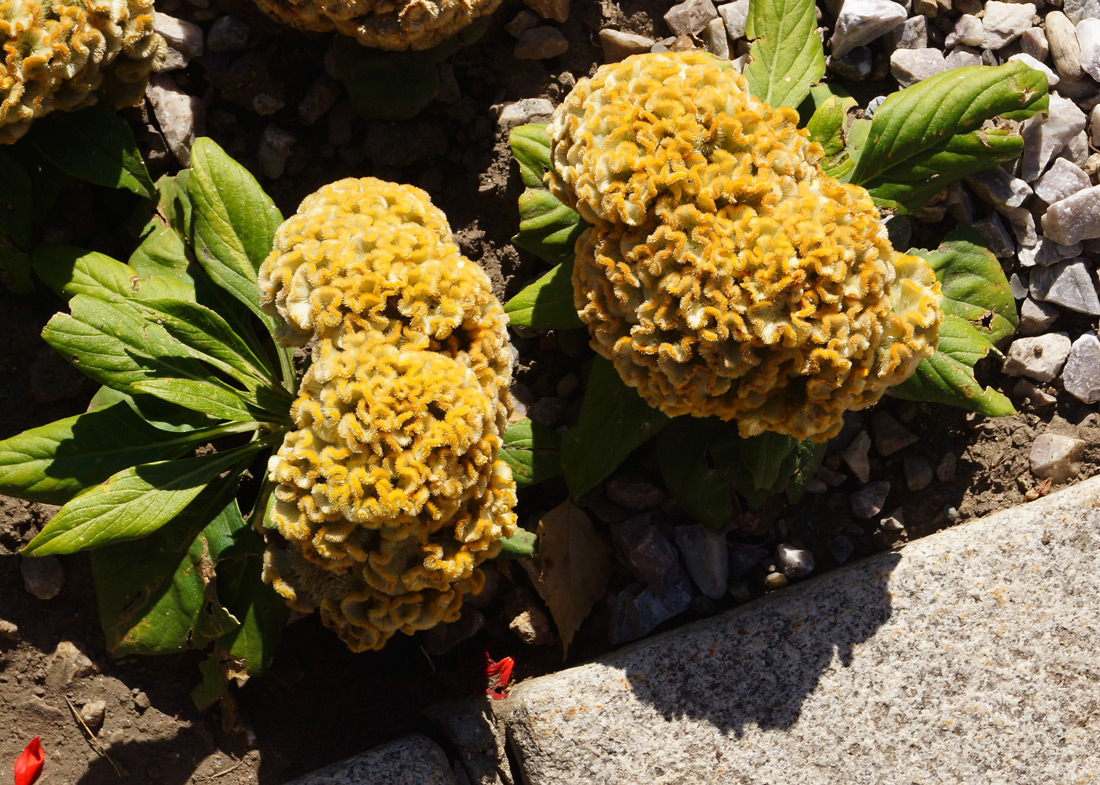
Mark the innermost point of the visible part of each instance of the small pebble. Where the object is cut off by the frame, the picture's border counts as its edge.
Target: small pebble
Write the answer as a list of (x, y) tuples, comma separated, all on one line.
[(945, 468), (912, 34), (228, 34), (1081, 375), (9, 632), (541, 43), (775, 580), (706, 557), (735, 15), (184, 41), (1052, 456), (1035, 395), (321, 95), (1034, 42), (1005, 22), (179, 115), (524, 111), (690, 16), (1045, 135), (43, 577), (855, 455), (715, 39), (869, 500), (93, 714), (1036, 316), (532, 627), (275, 146), (910, 66), (633, 492), (918, 473), (890, 436), (863, 21), (794, 562), (1039, 358), (744, 558), (521, 23), (617, 45), (1064, 46), (1075, 218), (841, 548), (1079, 10), (558, 10), (1068, 284)]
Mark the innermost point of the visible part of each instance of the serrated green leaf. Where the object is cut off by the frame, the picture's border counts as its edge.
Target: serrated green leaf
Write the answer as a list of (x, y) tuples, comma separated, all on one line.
[(787, 55), (547, 304), (132, 503), (547, 228), (70, 271), (158, 595), (233, 222), (927, 115), (948, 376), (162, 251), (614, 421), (55, 462), (979, 310), (201, 396), (209, 337), (93, 144), (531, 148), (916, 180), (113, 344), (532, 452), (162, 415), (974, 284)]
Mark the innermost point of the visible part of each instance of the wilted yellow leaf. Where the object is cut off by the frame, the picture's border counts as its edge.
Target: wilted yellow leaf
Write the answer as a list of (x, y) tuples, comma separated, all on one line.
[(574, 568)]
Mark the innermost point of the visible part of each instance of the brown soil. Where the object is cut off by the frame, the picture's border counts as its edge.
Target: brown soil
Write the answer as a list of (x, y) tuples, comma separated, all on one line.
[(319, 702)]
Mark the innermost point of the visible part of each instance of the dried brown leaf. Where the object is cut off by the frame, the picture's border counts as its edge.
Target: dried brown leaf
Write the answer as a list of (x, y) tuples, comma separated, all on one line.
[(575, 566)]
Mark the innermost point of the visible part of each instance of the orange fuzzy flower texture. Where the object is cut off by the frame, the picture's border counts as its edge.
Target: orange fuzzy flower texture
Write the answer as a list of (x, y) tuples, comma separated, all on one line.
[(386, 24), (56, 55), (390, 492), (724, 274)]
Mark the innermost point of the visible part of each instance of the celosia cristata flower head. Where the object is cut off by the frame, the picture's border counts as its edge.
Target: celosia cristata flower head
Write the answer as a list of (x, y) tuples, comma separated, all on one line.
[(724, 273), (390, 492), (386, 24), (56, 55)]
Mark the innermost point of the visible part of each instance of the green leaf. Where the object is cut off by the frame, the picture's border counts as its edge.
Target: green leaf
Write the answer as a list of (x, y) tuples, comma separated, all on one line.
[(614, 421), (974, 284), (547, 304), (547, 228), (386, 85), (70, 271), (928, 115), (979, 310), (764, 456), (113, 344), (531, 450), (830, 126), (531, 148), (916, 180), (787, 56), (132, 503), (948, 375), (162, 415), (209, 337), (93, 144), (207, 397), (158, 594), (808, 456), (55, 462), (704, 493), (160, 250), (233, 222)]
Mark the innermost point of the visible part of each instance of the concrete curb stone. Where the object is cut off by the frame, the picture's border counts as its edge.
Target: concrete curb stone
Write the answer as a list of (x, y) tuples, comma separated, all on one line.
[(410, 760), (968, 657)]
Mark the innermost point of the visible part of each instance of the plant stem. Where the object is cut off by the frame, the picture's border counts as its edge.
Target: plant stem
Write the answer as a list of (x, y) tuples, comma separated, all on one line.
[(520, 545)]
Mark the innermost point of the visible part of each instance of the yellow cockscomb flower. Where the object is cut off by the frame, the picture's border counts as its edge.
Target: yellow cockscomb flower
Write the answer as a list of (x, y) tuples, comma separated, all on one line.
[(725, 274), (57, 55), (390, 492), (386, 24)]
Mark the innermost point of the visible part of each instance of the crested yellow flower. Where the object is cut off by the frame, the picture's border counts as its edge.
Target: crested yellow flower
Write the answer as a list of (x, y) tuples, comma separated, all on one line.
[(724, 273)]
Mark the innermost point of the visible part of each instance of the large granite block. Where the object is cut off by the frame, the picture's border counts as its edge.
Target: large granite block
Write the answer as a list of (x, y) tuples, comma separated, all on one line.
[(410, 760), (971, 656)]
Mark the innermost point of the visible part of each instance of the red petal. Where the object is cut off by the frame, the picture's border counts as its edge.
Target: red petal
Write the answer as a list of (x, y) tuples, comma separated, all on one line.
[(29, 763)]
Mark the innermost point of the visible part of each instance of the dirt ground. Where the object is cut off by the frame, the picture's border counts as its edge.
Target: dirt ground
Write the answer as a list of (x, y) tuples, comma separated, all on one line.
[(319, 702)]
